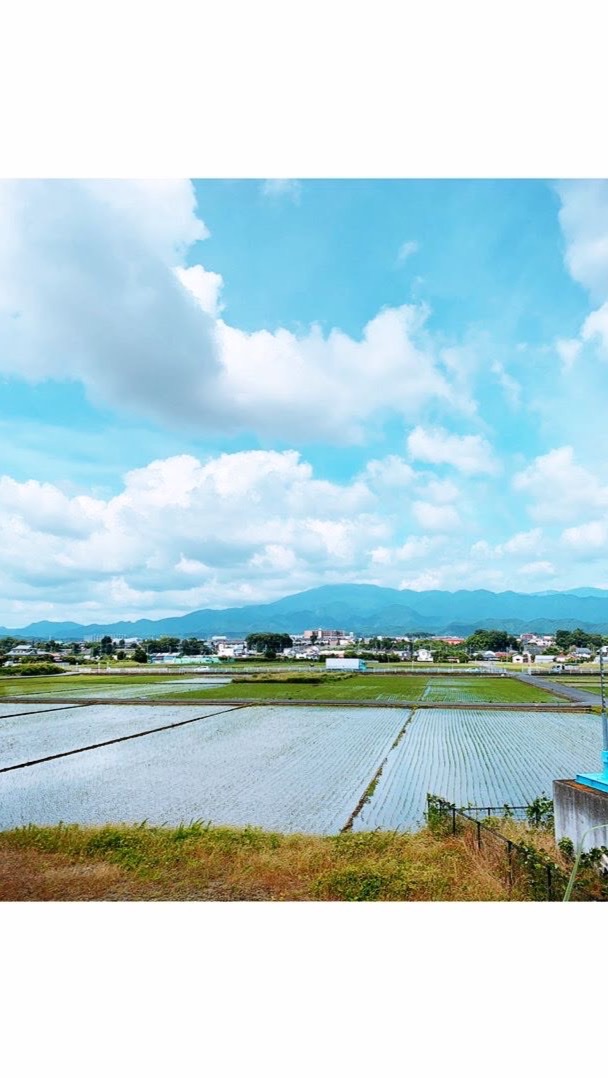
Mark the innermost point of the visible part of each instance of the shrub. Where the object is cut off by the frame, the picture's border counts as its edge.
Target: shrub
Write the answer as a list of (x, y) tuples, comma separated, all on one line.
[(38, 669), (354, 883), (540, 812)]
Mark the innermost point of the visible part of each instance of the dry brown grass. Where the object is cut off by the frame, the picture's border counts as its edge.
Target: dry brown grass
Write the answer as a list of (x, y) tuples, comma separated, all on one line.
[(35, 875), (202, 863)]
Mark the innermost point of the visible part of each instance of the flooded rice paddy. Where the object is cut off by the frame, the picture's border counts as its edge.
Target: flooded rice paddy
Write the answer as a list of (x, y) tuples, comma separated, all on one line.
[(57, 731), (289, 768), (486, 758), (283, 768)]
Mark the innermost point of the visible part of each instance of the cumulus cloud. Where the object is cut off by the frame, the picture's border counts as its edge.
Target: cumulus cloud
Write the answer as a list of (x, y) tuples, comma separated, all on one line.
[(185, 533), (542, 568), (584, 222), (469, 454), (440, 491), (87, 292), (436, 518), (415, 549), (595, 326), (205, 286), (391, 472), (590, 537), (560, 489), (524, 543), (428, 579), (331, 385), (94, 287)]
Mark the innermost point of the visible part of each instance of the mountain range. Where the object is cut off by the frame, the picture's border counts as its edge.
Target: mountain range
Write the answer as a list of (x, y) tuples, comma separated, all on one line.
[(366, 609)]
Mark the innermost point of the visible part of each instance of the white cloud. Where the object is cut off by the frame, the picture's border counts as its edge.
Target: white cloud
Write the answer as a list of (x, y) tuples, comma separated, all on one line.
[(185, 533), (414, 549), (391, 472), (482, 550), (252, 526), (103, 297), (584, 221), (278, 189), (470, 454), (409, 248), (440, 491), (428, 579), (435, 518), (596, 326), (537, 569), (330, 386), (47, 509), (95, 298), (204, 285), (560, 489), (590, 537), (524, 543)]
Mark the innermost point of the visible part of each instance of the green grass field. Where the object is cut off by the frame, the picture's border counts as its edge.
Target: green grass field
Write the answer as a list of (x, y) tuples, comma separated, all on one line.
[(18, 685), (389, 688), (381, 688), (580, 682)]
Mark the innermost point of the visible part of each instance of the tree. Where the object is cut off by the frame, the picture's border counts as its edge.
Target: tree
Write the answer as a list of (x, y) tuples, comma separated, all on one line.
[(490, 641), (140, 655), (576, 639), (191, 647), (163, 644), (106, 645), (268, 644)]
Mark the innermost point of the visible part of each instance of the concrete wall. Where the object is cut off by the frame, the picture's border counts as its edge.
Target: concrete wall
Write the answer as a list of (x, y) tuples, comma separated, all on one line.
[(578, 808)]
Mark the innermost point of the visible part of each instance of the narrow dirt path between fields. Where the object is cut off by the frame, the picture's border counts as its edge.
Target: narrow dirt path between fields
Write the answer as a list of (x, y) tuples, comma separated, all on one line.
[(570, 692)]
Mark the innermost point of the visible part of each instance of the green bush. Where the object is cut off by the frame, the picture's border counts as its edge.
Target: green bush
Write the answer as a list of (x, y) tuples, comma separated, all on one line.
[(38, 669), (363, 882)]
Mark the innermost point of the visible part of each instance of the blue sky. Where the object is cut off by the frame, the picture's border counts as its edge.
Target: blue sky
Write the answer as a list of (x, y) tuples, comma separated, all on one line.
[(219, 392)]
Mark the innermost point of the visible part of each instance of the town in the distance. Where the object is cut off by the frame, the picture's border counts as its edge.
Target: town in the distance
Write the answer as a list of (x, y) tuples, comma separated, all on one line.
[(562, 651)]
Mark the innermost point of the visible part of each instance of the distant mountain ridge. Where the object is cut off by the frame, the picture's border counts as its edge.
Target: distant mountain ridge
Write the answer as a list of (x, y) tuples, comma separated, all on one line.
[(366, 609)]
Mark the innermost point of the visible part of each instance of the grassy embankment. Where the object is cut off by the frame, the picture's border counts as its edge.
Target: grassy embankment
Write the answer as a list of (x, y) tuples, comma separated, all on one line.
[(197, 862), (203, 862)]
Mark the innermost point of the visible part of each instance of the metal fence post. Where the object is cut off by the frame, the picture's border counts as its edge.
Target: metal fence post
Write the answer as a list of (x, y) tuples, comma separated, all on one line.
[(549, 896), (478, 834), (453, 821)]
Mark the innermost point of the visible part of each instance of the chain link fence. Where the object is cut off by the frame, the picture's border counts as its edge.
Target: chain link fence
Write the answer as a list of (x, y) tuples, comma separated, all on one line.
[(527, 873)]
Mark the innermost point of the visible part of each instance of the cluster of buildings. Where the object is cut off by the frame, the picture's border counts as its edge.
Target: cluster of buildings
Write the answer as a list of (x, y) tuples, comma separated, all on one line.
[(314, 644)]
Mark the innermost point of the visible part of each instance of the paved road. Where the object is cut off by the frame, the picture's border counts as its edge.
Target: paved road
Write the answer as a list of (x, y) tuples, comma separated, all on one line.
[(571, 692)]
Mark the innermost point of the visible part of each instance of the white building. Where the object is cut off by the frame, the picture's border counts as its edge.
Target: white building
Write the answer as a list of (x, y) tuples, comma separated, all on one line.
[(344, 664)]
